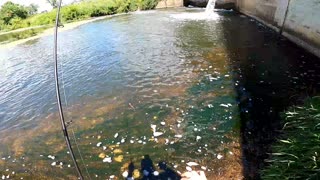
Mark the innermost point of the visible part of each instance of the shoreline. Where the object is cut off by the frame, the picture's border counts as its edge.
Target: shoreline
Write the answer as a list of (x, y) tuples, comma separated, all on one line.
[(67, 26), (50, 31)]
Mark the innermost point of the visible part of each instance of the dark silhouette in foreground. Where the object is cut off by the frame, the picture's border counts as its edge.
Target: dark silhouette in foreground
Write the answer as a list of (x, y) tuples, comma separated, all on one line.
[(130, 171), (167, 172), (147, 168), (149, 172)]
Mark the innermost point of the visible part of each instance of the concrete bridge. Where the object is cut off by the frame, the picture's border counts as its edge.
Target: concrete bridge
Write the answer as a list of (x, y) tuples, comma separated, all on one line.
[(298, 20)]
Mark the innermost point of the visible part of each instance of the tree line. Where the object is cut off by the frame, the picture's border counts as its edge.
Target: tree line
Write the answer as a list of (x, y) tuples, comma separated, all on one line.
[(10, 13)]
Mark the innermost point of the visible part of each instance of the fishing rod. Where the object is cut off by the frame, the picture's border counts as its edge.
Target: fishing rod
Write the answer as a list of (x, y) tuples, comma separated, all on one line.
[(63, 124)]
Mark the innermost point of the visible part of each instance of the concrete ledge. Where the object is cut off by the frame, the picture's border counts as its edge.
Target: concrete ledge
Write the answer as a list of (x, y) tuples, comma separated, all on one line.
[(314, 50), (260, 20), (226, 6), (301, 43)]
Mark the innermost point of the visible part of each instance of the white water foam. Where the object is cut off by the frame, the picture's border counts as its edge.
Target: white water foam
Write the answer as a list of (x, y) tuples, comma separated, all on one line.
[(210, 7), (208, 14), (196, 16)]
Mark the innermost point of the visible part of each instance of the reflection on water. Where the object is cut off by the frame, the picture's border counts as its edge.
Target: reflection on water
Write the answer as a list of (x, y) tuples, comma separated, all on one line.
[(136, 85)]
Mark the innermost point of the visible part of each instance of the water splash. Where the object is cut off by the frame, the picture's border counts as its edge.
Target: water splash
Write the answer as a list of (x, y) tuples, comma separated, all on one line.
[(210, 7), (208, 14), (196, 16)]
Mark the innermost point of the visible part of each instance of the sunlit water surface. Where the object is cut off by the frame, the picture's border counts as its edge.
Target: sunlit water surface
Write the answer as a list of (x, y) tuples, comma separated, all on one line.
[(157, 83)]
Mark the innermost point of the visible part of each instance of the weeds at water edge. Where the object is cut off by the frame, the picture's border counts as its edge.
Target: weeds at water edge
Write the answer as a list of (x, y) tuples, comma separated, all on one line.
[(296, 154)]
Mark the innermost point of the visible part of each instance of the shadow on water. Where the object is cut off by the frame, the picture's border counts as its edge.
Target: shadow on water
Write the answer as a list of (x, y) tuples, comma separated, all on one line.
[(149, 172), (270, 74)]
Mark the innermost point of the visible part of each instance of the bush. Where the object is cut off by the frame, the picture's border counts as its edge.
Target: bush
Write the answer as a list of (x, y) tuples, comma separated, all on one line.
[(71, 13), (2, 25), (43, 19), (150, 4), (122, 5), (16, 23), (101, 9), (11, 10)]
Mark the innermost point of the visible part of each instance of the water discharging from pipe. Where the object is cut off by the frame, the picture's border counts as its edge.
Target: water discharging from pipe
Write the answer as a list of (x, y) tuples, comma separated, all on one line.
[(208, 14), (210, 7)]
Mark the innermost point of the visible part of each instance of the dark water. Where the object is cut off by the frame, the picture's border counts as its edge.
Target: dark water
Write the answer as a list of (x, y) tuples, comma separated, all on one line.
[(215, 88)]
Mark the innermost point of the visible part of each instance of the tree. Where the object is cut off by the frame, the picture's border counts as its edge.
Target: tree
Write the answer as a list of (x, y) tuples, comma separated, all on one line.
[(32, 9), (53, 3), (10, 10)]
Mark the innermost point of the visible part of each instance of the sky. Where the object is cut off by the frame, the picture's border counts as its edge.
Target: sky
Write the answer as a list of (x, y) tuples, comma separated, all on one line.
[(43, 5)]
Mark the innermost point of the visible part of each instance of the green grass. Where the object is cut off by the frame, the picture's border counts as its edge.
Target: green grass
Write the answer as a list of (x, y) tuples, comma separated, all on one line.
[(9, 37), (296, 155)]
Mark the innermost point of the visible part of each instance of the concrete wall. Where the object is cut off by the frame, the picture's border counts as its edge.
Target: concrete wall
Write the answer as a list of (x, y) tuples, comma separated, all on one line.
[(169, 3), (301, 24), (225, 4)]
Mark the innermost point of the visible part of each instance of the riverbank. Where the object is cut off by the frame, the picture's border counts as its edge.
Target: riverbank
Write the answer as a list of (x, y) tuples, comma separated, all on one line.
[(36, 25), (50, 31)]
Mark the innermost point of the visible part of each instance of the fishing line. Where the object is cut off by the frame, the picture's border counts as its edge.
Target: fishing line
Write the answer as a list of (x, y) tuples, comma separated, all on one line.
[(75, 141), (69, 123), (63, 124), (64, 92)]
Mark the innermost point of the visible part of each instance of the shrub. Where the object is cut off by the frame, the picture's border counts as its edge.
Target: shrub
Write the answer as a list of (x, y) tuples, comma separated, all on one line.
[(11, 10), (72, 12), (16, 23), (43, 19), (149, 4)]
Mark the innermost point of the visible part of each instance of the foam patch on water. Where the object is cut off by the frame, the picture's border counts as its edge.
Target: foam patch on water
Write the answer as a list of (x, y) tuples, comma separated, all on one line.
[(196, 16), (144, 12)]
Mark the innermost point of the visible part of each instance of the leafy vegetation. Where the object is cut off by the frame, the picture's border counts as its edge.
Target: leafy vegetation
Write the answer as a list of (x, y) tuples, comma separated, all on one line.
[(9, 37), (297, 154), (12, 15)]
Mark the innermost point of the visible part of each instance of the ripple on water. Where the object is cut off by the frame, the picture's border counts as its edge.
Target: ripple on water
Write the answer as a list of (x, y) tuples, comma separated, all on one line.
[(122, 77), (196, 16)]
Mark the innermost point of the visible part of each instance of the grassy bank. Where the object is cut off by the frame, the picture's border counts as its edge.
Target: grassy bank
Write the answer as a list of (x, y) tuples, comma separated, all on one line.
[(9, 37), (70, 13), (296, 155)]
